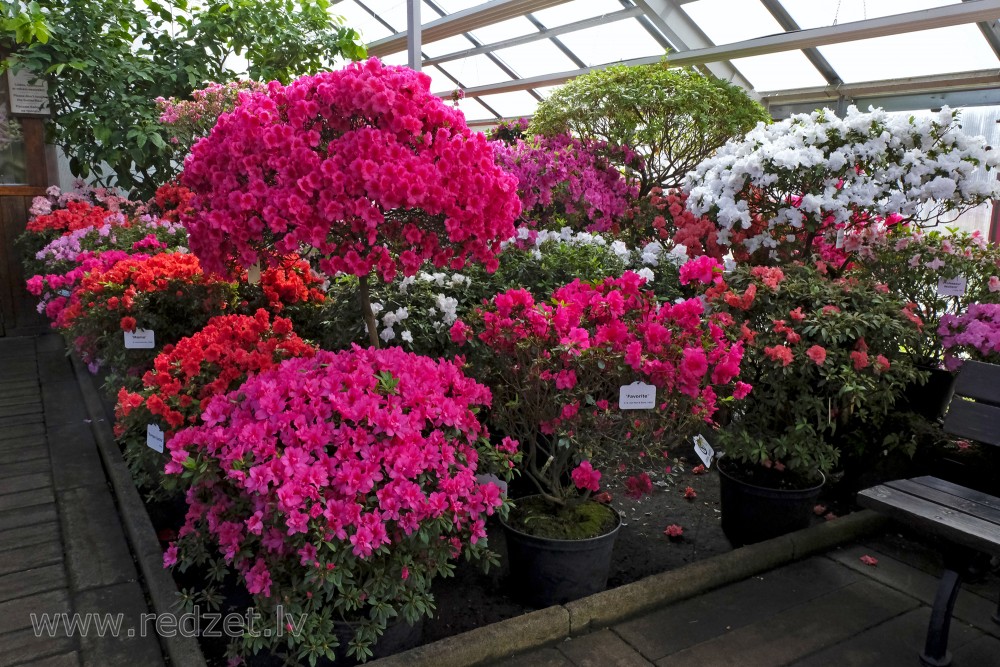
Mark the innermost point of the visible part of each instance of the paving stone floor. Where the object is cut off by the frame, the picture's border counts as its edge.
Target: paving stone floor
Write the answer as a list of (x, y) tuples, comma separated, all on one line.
[(825, 611), (62, 548)]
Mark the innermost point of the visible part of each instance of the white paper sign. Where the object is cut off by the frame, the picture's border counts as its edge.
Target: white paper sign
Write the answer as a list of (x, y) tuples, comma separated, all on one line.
[(703, 450), (154, 438), (27, 98), (840, 238), (253, 274), (140, 339), (637, 396), (953, 287)]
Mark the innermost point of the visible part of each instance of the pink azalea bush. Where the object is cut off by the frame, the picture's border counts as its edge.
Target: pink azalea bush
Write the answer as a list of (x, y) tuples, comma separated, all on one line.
[(556, 367), (339, 486), (975, 334)]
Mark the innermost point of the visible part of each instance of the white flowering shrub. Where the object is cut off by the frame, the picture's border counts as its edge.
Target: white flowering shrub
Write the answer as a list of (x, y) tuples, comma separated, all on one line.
[(786, 184)]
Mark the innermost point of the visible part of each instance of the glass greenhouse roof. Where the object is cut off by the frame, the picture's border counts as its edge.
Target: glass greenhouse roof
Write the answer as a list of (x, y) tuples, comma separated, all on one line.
[(794, 55)]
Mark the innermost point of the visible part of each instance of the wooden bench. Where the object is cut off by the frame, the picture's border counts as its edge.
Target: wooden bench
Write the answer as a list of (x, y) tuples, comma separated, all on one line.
[(969, 521)]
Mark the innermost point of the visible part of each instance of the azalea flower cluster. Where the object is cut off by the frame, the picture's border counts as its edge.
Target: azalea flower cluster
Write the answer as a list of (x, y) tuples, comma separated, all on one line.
[(557, 367), (975, 334), (563, 180), (214, 361), (76, 215), (363, 164), (191, 119), (290, 282), (812, 172), (345, 482)]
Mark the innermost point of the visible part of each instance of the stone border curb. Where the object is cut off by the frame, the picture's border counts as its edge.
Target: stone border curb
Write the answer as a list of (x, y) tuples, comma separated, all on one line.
[(182, 651), (536, 629)]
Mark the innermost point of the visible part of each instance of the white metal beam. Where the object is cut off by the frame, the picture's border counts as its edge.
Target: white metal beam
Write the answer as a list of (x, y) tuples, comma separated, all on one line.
[(460, 22)]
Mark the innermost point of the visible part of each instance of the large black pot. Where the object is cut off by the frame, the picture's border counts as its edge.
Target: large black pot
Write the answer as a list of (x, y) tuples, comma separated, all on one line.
[(753, 514), (931, 399), (546, 572)]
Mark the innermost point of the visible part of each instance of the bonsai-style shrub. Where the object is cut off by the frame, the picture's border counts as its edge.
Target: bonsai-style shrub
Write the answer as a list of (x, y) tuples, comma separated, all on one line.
[(826, 361), (175, 391), (363, 166), (671, 117), (557, 368), (339, 487), (783, 186), (975, 334), (942, 273)]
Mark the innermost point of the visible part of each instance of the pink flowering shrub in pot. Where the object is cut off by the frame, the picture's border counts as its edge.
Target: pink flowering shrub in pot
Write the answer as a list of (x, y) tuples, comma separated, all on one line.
[(338, 487), (557, 368), (363, 167)]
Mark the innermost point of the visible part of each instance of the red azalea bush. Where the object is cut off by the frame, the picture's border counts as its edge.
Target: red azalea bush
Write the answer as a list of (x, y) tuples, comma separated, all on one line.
[(339, 487), (289, 283), (45, 227), (170, 201), (556, 367), (176, 390), (167, 293)]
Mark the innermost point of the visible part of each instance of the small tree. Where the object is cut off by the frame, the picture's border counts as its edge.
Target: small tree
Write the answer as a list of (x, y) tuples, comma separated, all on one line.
[(363, 165), (672, 117)]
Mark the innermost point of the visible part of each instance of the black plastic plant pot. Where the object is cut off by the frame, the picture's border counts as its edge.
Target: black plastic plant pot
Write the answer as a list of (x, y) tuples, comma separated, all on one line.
[(546, 572), (752, 514)]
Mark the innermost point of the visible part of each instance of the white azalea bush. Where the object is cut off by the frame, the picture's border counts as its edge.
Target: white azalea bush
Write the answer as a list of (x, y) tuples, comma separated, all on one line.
[(785, 186)]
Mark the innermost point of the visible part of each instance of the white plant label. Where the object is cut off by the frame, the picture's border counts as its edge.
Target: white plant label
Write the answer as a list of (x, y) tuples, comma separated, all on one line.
[(952, 287), (140, 339), (703, 450), (840, 238), (253, 274), (154, 438), (637, 396)]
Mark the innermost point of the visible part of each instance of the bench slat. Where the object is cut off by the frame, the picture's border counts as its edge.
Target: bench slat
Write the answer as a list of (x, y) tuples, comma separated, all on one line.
[(984, 499), (950, 500), (911, 510), (979, 381), (976, 421)]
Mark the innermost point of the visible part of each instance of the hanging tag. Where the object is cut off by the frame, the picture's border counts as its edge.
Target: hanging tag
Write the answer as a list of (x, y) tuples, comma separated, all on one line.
[(637, 396), (140, 339), (703, 450), (840, 238), (953, 286), (253, 274), (154, 438)]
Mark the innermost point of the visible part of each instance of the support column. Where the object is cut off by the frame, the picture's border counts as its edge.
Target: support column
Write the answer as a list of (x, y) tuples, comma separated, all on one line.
[(413, 34)]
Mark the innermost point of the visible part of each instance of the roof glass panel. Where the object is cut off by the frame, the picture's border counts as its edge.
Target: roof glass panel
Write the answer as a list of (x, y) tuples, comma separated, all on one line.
[(452, 6), (446, 46), (473, 110), (577, 10), (357, 18), (812, 14), (727, 21), (475, 71), (512, 104), (440, 82), (609, 43), (779, 71), (497, 32), (535, 59), (912, 54)]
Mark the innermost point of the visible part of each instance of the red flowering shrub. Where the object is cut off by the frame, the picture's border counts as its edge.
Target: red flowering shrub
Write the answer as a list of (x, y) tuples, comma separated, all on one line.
[(291, 282), (176, 390), (363, 164), (76, 215), (338, 486), (556, 369), (167, 293), (171, 201)]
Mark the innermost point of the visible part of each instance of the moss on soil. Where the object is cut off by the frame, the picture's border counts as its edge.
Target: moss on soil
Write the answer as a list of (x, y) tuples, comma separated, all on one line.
[(535, 516)]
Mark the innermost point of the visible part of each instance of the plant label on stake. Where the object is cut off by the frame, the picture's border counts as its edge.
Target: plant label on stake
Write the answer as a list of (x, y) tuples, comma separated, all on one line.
[(154, 438), (952, 286), (840, 238), (637, 396), (703, 450), (140, 339), (253, 274)]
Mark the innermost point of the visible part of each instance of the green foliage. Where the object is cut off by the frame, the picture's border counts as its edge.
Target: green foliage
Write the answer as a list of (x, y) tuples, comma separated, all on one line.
[(107, 61), (672, 117), (24, 22)]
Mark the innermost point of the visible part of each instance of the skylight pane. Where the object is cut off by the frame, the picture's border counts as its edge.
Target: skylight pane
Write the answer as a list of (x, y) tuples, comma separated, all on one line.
[(452, 6), (439, 81), (727, 21), (912, 54), (513, 104), (357, 18), (473, 110), (446, 46), (509, 29), (475, 71), (812, 14), (622, 40), (536, 58), (779, 71), (577, 10)]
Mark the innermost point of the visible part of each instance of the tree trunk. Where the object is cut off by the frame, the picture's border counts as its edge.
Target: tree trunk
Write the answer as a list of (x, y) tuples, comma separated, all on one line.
[(364, 298)]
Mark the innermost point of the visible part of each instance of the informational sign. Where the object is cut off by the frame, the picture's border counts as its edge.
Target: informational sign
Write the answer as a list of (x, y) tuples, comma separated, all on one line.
[(952, 286), (140, 339), (154, 437), (704, 450), (637, 396), (29, 95)]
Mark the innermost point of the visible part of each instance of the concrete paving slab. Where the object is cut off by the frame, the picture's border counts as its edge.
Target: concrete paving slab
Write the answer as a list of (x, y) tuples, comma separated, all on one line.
[(27, 397), (601, 649), (63, 405), (26, 558), (24, 467), (546, 657), (20, 432), (75, 459), (27, 516), (26, 536), (16, 614), (795, 633), (896, 643), (20, 409), (127, 600), (20, 420), (33, 581), (11, 501), (23, 647), (709, 615), (24, 451), (64, 660), (37, 480), (90, 525), (983, 652)]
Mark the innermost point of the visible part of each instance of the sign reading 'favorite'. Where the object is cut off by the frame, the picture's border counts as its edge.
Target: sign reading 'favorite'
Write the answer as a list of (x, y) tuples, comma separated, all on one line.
[(637, 396)]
